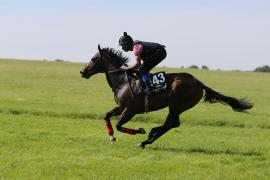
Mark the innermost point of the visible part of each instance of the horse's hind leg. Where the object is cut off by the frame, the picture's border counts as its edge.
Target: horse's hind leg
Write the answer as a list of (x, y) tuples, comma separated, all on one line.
[(126, 115), (154, 131), (114, 112), (172, 121)]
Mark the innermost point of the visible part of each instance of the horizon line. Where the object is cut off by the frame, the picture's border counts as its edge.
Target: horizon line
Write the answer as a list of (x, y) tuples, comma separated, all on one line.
[(158, 66)]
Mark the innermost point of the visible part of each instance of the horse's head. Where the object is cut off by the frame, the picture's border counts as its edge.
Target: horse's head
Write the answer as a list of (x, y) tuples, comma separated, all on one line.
[(106, 59), (96, 65)]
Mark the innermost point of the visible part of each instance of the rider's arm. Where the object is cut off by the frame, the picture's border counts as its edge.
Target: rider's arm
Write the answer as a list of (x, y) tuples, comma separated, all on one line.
[(137, 49), (137, 65)]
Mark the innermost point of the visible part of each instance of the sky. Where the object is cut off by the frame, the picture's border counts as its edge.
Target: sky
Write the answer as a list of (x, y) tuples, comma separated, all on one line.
[(224, 34)]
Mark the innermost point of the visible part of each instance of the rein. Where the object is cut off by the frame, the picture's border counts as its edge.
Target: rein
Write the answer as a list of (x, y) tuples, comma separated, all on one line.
[(115, 70)]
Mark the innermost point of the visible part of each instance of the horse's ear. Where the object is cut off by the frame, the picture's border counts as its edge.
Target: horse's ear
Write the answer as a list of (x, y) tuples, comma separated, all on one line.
[(99, 49)]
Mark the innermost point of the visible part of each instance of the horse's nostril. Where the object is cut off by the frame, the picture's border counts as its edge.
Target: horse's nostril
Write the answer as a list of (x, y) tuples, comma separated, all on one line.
[(81, 72)]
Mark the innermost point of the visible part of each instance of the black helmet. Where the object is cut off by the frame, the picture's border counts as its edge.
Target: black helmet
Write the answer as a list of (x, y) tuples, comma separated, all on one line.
[(125, 40)]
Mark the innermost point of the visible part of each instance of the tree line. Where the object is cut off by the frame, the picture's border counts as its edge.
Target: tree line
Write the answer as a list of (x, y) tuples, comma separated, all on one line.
[(264, 68)]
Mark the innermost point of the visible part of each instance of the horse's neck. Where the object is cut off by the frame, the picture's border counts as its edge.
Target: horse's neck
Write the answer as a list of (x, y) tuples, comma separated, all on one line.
[(119, 80), (116, 80)]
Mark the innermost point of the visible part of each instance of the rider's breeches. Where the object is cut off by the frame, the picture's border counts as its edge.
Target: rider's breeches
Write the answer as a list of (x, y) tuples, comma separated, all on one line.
[(151, 61)]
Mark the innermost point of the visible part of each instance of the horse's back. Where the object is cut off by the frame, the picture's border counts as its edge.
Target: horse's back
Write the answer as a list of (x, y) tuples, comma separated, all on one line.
[(180, 74), (182, 81)]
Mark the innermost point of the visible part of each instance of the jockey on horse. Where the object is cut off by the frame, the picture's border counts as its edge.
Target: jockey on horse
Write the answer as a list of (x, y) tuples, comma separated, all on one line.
[(150, 53), (183, 91)]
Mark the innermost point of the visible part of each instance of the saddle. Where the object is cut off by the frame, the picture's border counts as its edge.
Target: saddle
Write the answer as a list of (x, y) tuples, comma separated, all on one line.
[(157, 81)]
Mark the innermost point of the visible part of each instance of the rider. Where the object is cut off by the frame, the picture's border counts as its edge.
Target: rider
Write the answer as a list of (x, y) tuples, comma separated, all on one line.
[(150, 53)]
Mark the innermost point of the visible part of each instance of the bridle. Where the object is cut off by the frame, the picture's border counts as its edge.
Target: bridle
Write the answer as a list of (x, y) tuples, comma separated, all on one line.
[(115, 71)]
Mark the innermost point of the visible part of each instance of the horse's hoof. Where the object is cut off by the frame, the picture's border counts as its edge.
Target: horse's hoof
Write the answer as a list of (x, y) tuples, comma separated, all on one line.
[(141, 145), (141, 131), (112, 139)]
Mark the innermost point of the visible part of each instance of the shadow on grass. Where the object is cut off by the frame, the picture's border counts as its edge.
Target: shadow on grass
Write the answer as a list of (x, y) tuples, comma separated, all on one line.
[(138, 118), (207, 151), (56, 115)]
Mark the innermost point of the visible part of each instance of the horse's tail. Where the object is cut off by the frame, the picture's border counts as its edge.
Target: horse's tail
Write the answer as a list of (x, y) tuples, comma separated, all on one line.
[(238, 105)]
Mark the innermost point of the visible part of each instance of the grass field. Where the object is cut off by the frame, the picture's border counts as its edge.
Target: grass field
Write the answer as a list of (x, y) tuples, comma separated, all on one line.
[(51, 127)]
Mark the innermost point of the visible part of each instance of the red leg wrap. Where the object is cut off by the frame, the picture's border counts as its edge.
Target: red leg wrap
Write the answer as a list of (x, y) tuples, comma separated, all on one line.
[(129, 131), (109, 128)]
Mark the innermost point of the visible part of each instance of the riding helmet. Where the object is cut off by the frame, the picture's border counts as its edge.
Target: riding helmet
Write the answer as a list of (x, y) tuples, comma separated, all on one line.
[(125, 40)]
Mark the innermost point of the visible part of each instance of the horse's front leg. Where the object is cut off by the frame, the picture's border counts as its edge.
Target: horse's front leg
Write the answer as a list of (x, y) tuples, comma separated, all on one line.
[(126, 116), (114, 112)]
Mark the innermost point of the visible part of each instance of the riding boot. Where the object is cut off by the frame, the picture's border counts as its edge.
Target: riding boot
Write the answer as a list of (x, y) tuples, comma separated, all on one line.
[(146, 84)]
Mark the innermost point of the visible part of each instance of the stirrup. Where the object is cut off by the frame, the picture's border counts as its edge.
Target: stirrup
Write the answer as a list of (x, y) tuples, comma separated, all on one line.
[(145, 91)]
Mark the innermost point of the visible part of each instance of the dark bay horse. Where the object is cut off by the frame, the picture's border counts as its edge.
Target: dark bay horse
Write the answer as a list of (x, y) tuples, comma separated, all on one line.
[(182, 93)]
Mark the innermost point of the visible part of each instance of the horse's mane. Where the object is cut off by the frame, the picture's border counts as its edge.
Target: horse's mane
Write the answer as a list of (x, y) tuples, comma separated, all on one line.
[(118, 59)]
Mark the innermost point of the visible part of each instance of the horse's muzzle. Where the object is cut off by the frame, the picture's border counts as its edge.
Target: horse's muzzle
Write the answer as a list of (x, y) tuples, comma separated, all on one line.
[(84, 75)]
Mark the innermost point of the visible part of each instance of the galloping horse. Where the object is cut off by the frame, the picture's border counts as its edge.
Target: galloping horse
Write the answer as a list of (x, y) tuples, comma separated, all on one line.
[(183, 92)]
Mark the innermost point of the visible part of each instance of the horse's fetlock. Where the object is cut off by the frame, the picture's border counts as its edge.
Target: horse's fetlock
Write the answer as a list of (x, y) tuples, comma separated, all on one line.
[(176, 124), (118, 127)]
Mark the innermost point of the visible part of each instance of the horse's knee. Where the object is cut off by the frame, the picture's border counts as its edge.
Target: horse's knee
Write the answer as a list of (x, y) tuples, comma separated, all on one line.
[(118, 127), (107, 116), (115, 111)]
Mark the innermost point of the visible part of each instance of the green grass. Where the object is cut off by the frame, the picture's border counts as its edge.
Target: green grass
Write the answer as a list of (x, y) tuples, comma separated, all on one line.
[(51, 127)]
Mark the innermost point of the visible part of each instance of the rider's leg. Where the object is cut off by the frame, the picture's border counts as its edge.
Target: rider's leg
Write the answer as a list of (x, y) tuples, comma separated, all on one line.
[(149, 63)]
